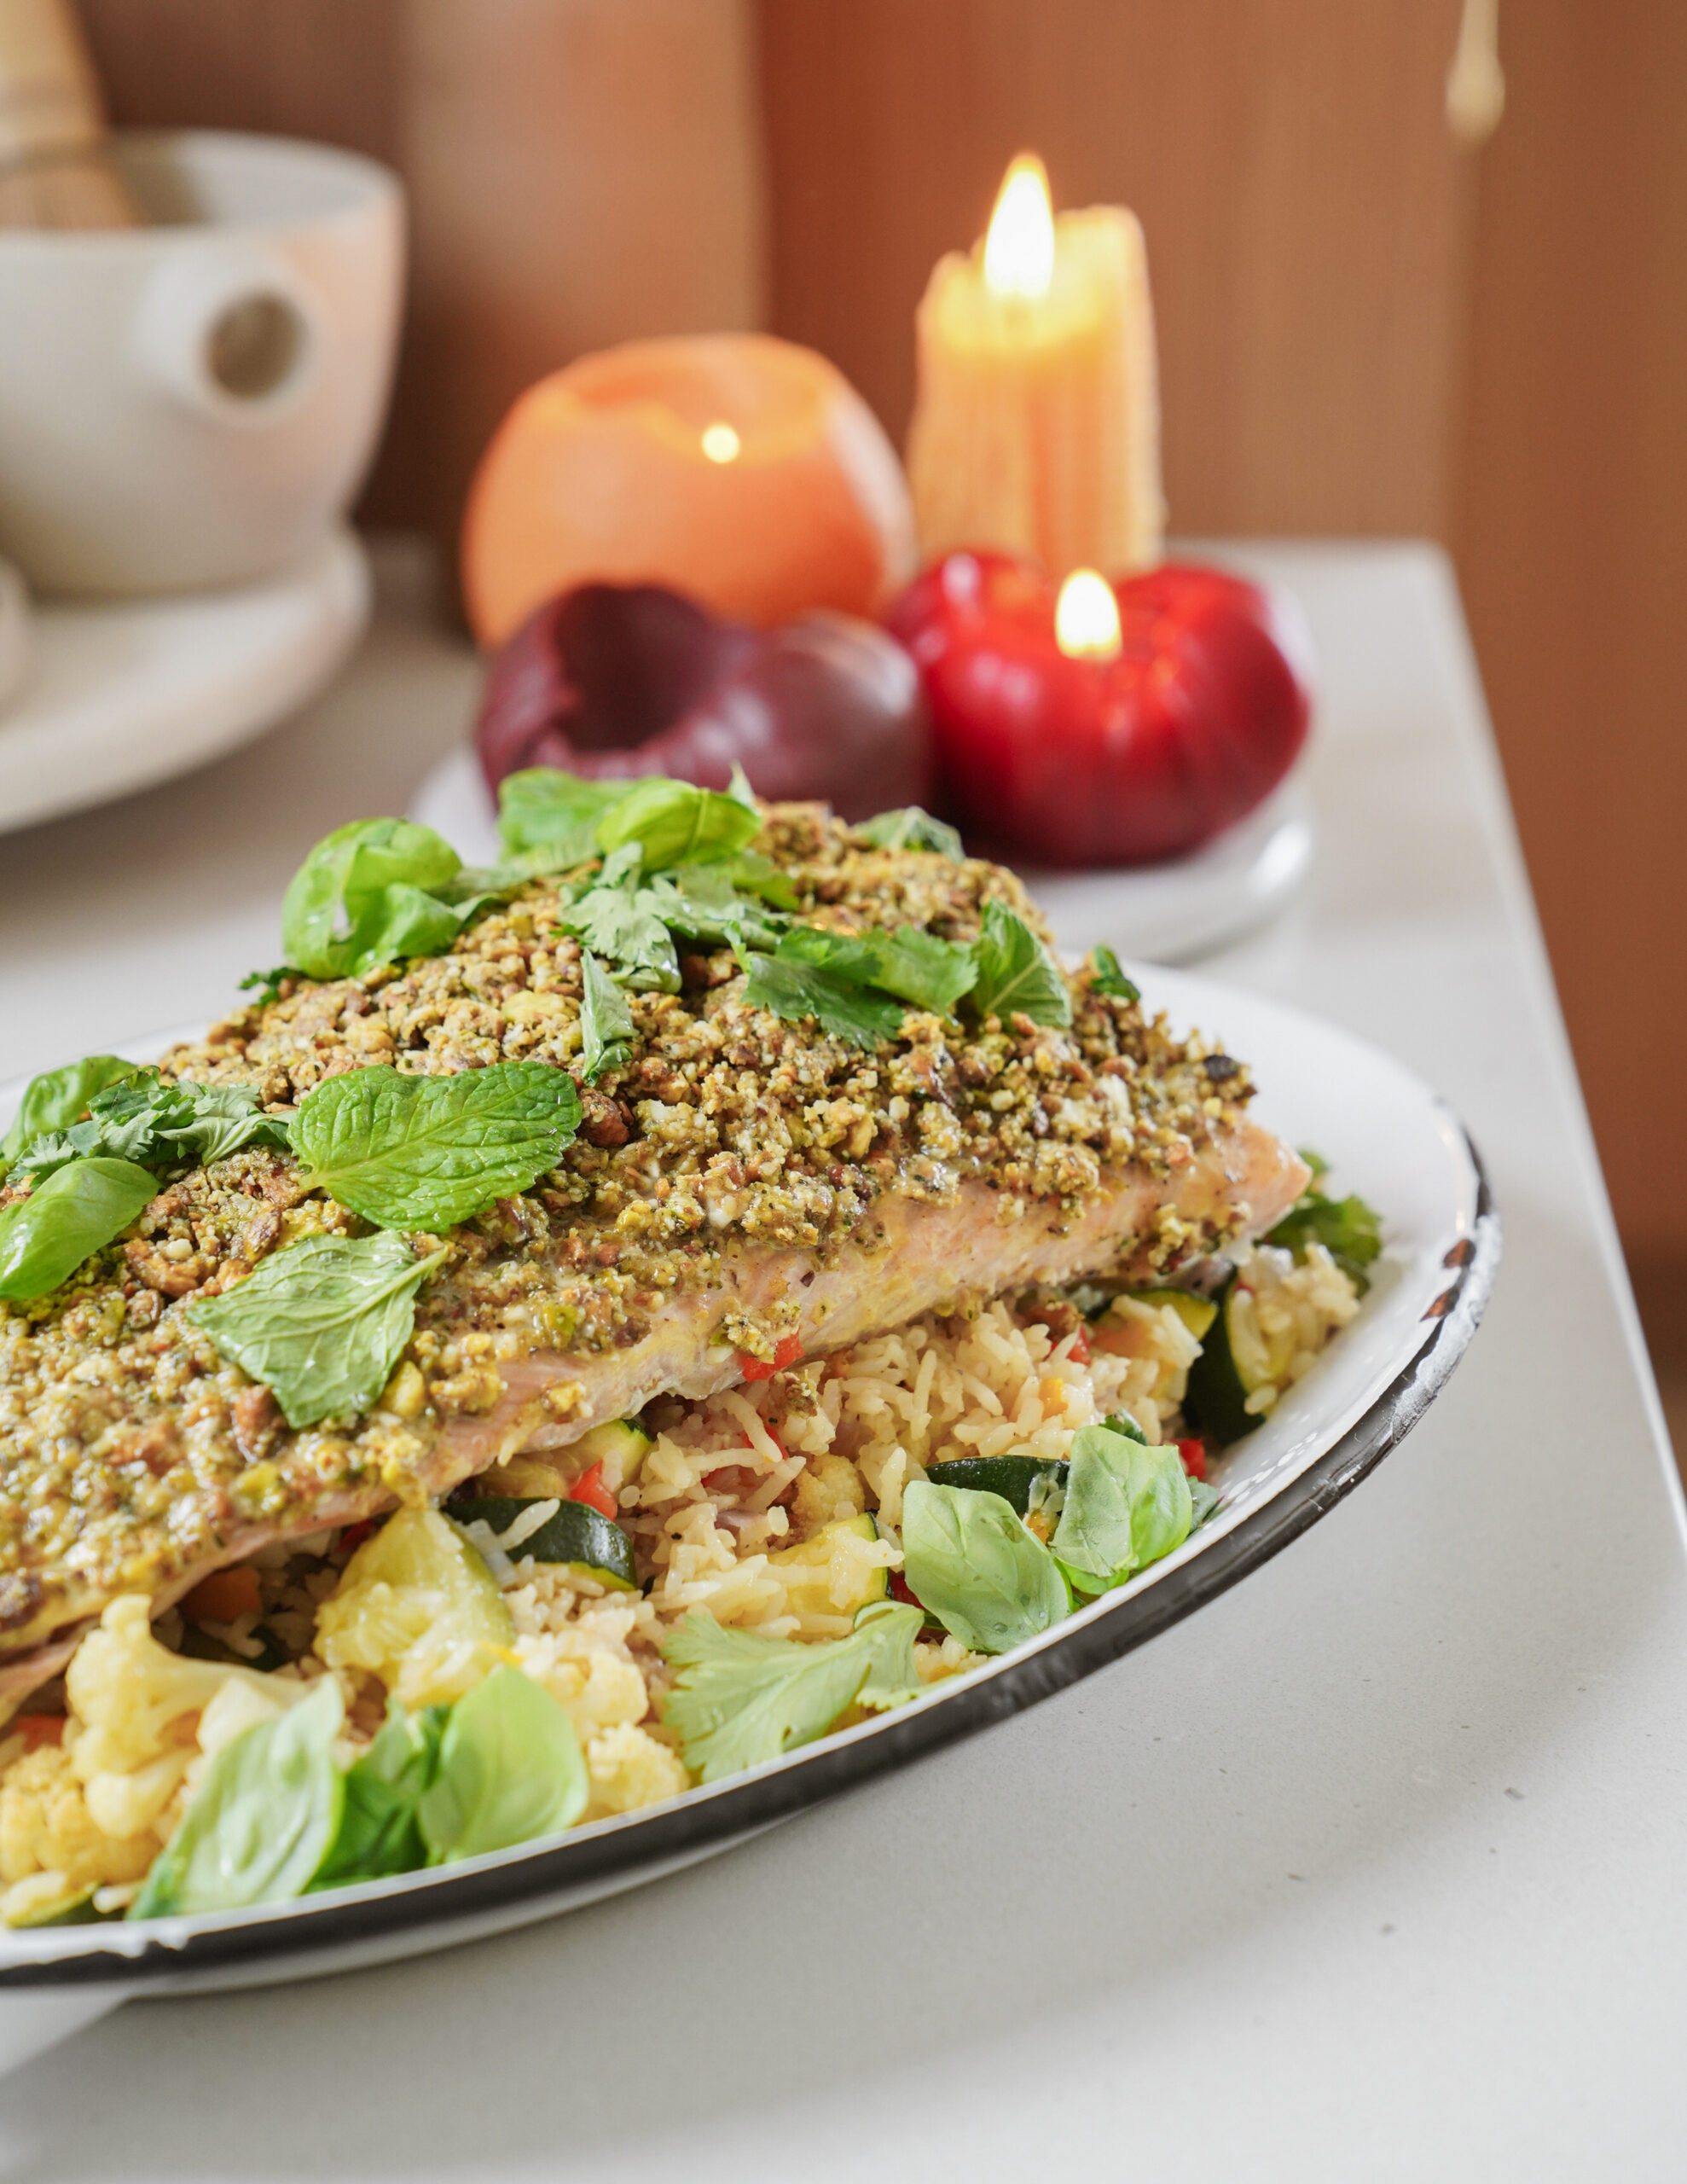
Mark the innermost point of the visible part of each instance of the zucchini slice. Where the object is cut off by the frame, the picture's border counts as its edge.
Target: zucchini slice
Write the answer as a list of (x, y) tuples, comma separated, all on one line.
[(1011, 1477), (574, 1534), (1216, 1399), (1196, 1313), (620, 1447)]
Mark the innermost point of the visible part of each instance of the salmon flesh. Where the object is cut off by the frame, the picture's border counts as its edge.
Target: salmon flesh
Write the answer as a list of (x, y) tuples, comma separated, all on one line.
[(744, 1189)]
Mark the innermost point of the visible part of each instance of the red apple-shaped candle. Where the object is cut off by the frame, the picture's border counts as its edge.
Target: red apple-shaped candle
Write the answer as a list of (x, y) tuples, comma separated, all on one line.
[(1105, 723), (615, 681)]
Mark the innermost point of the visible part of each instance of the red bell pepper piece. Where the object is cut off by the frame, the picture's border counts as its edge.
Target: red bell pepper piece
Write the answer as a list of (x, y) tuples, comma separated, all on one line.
[(1106, 760), (788, 1350), (590, 1488), (1194, 1454)]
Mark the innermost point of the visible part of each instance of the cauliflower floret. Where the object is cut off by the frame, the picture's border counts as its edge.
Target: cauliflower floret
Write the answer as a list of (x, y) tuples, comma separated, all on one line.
[(136, 1709), (629, 1768), (597, 1688), (46, 1828)]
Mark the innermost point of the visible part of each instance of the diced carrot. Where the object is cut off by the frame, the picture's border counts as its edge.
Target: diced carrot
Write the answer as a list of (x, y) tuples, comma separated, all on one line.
[(1194, 1454), (224, 1597), (590, 1488), (36, 1729)]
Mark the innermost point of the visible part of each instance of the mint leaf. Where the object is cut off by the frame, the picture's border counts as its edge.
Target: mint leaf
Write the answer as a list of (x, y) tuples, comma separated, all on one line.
[(910, 828), (741, 1698), (794, 988), (1107, 977), (80, 1208), (972, 1562), (509, 1769), (1016, 972), (675, 822), (428, 1152), (262, 1819), (1127, 1505), (321, 1321), (1350, 1231), (549, 818), (606, 1028), (373, 892), (59, 1097)]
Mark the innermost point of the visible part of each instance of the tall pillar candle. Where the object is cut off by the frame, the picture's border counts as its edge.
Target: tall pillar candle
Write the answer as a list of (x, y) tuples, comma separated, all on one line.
[(1036, 425)]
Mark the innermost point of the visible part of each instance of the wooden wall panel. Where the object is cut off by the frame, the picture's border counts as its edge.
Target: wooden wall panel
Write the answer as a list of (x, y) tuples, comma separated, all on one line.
[(1307, 215), (1572, 548)]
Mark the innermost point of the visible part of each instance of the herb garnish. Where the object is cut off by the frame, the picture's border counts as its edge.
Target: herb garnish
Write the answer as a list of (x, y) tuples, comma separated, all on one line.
[(741, 1699), (673, 822), (1127, 1505), (971, 1562), (910, 828), (1349, 1230), (161, 1125), (80, 1208), (59, 1097), (790, 985), (413, 1152), (377, 891), (321, 1321), (606, 1027), (1017, 975), (621, 921), (1107, 977)]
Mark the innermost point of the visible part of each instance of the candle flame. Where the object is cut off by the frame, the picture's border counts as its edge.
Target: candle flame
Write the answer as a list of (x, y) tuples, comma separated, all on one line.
[(721, 444), (1019, 248), (1087, 617)]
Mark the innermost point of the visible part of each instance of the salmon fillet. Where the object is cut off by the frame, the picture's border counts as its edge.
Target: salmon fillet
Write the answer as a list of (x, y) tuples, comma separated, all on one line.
[(743, 1181)]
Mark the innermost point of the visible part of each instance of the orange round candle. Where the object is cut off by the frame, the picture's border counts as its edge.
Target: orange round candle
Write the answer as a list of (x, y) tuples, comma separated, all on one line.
[(743, 470)]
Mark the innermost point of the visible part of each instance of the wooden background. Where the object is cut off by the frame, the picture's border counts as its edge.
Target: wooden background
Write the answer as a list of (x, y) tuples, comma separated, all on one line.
[(1363, 327)]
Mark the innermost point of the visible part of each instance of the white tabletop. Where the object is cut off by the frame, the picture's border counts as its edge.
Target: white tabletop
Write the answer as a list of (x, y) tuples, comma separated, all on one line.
[(1377, 1867)]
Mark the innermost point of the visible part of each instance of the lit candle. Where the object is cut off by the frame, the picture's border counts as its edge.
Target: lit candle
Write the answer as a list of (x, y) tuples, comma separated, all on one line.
[(744, 471), (1037, 429)]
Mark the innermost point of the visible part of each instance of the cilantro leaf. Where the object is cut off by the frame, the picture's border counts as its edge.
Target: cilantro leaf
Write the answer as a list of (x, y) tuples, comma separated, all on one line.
[(1107, 977), (700, 901), (759, 876), (741, 1698), (141, 1119), (607, 1029), (413, 1152), (266, 986), (621, 922), (57, 1098), (793, 987), (1349, 1230), (910, 828), (322, 1321), (1016, 972), (922, 967), (675, 822)]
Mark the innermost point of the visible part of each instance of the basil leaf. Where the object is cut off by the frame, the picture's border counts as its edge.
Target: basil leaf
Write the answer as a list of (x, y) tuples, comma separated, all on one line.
[(321, 1321), (606, 1028), (262, 1819), (969, 1561), (759, 876), (738, 789), (1107, 977), (794, 989), (741, 1698), (543, 809), (509, 1769), (1202, 1501), (428, 1152), (1016, 972), (617, 919), (1349, 1229), (45, 1237), (910, 828), (58, 1098), (1127, 1505), (372, 892), (378, 1832), (673, 822)]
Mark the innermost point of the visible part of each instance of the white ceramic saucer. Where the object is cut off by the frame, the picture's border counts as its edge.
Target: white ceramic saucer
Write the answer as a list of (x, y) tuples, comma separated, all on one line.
[(122, 694), (1166, 913)]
